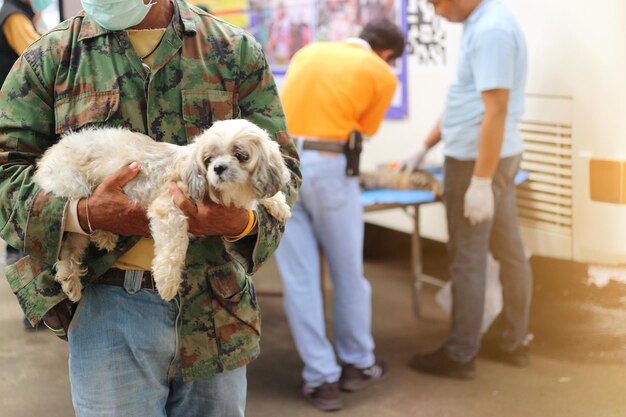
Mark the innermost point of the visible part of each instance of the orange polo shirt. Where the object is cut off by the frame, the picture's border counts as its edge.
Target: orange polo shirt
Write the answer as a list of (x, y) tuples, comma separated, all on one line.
[(333, 88)]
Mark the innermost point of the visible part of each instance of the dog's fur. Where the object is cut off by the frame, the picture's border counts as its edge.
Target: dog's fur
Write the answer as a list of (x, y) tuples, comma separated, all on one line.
[(233, 163)]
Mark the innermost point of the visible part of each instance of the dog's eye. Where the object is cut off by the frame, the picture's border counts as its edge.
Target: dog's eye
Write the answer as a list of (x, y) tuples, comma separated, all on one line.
[(241, 157), (207, 160)]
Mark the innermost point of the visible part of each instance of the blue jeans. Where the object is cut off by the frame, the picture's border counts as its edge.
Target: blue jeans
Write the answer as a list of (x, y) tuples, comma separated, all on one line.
[(328, 213), (124, 361), (468, 247)]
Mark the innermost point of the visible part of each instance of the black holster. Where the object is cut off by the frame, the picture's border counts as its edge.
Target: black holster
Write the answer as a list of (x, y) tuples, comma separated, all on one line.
[(352, 150)]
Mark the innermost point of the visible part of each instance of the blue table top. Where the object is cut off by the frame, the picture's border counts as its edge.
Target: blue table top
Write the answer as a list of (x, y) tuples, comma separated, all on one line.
[(387, 196)]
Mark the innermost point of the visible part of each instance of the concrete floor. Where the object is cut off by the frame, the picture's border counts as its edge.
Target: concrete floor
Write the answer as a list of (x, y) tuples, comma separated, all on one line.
[(578, 366)]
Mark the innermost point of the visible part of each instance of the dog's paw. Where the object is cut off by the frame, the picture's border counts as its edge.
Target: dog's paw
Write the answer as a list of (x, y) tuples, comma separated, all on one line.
[(166, 278), (74, 292), (277, 206), (283, 212), (104, 240), (68, 273), (168, 291), (71, 286), (63, 271)]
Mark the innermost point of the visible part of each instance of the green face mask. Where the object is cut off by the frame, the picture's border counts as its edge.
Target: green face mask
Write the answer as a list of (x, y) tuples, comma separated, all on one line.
[(39, 5), (117, 14)]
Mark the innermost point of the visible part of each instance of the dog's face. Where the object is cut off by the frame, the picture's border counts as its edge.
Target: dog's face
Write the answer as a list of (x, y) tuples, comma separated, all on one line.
[(235, 160)]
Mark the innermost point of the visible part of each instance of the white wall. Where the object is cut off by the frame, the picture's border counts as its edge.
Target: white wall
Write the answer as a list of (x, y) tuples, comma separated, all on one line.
[(577, 49)]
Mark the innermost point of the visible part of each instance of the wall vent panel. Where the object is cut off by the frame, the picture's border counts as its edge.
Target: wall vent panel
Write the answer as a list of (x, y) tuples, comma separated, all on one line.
[(544, 202)]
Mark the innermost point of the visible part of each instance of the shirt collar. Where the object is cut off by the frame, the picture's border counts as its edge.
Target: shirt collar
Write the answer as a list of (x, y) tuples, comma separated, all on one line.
[(359, 42), (89, 28), (182, 22), (478, 11), (186, 16)]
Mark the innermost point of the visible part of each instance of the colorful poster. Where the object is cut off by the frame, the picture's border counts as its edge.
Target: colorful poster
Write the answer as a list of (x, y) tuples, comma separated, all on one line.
[(339, 19), (394, 10), (426, 35), (232, 11), (285, 26), (282, 27)]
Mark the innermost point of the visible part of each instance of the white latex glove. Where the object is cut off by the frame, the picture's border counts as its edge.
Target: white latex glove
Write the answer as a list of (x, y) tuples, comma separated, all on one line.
[(413, 161), (479, 204)]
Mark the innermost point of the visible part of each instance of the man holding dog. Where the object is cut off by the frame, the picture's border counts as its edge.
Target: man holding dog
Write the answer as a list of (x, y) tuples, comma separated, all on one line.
[(331, 90), (155, 68)]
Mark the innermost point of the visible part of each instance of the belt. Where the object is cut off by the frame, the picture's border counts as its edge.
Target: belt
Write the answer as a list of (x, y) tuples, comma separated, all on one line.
[(323, 145), (131, 280)]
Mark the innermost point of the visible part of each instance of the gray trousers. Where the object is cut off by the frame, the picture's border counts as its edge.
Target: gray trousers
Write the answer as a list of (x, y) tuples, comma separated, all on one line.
[(468, 248)]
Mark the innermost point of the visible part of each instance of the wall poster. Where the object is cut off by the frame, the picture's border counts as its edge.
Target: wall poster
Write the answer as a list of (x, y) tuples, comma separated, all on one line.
[(426, 35), (285, 26)]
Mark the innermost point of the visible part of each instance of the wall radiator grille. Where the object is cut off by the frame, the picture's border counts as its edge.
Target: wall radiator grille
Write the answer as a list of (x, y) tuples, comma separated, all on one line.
[(545, 200)]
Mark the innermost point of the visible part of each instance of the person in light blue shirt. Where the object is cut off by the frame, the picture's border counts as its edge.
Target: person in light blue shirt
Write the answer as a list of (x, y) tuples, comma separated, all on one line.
[(482, 148), (492, 57)]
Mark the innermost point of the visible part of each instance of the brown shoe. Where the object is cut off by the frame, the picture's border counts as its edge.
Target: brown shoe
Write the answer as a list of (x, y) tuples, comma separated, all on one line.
[(356, 379), (440, 364), (325, 397)]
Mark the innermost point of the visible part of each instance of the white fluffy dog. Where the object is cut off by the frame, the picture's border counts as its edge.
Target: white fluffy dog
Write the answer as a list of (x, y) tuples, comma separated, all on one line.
[(234, 163)]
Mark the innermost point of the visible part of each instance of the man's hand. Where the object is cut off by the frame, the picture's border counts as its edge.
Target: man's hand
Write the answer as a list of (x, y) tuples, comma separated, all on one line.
[(111, 210), (413, 161), (210, 219), (479, 203)]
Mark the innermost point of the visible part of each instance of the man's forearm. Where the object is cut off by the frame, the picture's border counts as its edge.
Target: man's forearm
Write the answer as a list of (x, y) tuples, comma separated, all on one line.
[(434, 136), (491, 137), (491, 132)]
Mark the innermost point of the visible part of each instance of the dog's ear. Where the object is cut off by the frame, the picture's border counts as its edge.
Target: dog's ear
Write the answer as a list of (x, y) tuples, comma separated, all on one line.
[(271, 173), (193, 174)]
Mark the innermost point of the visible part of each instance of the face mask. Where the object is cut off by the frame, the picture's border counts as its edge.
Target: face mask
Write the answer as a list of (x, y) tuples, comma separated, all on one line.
[(117, 14), (39, 5)]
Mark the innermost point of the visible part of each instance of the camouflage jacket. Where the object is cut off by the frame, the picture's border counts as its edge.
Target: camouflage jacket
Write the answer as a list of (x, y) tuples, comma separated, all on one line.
[(79, 75)]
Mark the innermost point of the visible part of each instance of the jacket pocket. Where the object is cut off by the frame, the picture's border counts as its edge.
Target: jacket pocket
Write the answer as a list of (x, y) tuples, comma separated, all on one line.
[(228, 282), (72, 113), (202, 108), (235, 310)]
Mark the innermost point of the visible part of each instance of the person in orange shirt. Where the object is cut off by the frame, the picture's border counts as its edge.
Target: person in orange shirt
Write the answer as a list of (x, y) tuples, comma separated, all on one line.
[(18, 30), (330, 90)]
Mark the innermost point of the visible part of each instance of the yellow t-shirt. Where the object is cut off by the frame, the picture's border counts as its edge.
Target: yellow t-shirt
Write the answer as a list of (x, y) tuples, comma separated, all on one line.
[(20, 32), (333, 88), (145, 42)]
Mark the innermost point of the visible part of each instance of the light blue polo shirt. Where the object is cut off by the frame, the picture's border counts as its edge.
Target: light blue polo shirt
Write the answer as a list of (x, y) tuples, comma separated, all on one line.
[(492, 56)]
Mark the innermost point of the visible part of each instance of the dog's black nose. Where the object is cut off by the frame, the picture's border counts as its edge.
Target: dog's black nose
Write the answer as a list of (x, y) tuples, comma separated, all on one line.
[(220, 168)]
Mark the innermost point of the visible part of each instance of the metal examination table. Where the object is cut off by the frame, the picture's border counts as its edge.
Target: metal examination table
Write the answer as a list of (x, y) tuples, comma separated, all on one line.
[(382, 199)]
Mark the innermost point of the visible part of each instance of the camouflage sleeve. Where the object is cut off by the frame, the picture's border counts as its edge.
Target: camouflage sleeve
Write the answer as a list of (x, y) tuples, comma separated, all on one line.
[(30, 220), (259, 102)]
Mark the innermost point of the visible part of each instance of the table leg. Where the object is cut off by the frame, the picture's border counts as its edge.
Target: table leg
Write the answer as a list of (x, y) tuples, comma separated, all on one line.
[(419, 278)]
